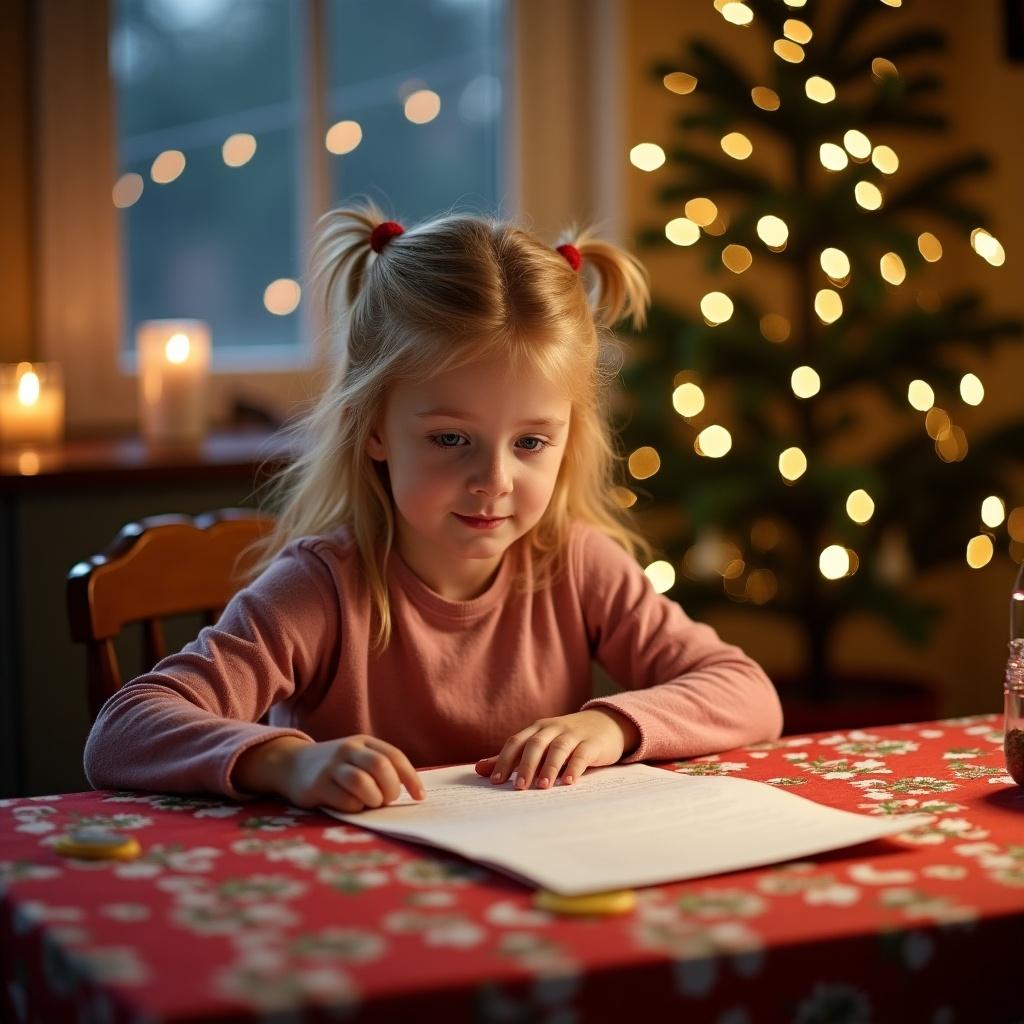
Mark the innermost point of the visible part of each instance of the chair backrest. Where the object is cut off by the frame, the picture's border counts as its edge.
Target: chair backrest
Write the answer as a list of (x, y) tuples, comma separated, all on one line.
[(155, 568)]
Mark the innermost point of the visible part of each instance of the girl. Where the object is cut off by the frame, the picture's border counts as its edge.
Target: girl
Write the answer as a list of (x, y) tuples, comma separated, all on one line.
[(449, 555)]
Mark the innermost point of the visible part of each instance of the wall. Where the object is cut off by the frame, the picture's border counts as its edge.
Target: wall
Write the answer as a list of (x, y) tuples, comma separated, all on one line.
[(984, 92)]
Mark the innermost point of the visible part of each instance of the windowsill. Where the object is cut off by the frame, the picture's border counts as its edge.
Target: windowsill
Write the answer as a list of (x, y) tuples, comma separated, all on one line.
[(127, 459)]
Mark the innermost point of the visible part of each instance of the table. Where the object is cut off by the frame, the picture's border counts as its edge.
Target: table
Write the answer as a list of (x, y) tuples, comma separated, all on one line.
[(237, 910)]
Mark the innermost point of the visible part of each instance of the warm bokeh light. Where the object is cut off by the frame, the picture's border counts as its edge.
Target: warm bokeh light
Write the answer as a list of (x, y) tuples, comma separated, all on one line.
[(920, 395), (737, 258), (28, 386), (938, 424), (834, 562), (343, 137), (979, 551), (805, 382), (682, 231), (765, 534), (789, 51), (797, 30), (688, 399), (773, 231), (648, 156), (644, 462), (868, 195), (167, 166), (929, 247), (713, 442), (828, 305), (881, 67), (737, 145), (737, 13), (128, 190), (761, 586), (282, 296), (662, 576), (701, 210), (819, 89), (885, 159), (717, 307), (993, 511), (680, 83), (238, 149), (833, 157), (859, 506), (1015, 524), (988, 247), (892, 268), (765, 98), (774, 327), (972, 391), (835, 263), (624, 497), (422, 106), (792, 464), (857, 144)]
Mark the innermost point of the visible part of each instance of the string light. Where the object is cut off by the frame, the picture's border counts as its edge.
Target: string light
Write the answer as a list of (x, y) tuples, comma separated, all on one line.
[(422, 106), (792, 464), (647, 156), (828, 305), (857, 144), (885, 159), (682, 231), (834, 562), (892, 268), (835, 263), (624, 497), (773, 232), (680, 83), (868, 195), (737, 258), (282, 296), (929, 247), (167, 166), (988, 247), (717, 308), (920, 395), (805, 382), (701, 211), (993, 511), (972, 391), (859, 506), (688, 399), (343, 137), (644, 462), (765, 98), (737, 13), (737, 145), (883, 68), (127, 190), (662, 576), (819, 89), (833, 157), (979, 551), (789, 51), (797, 30), (713, 442)]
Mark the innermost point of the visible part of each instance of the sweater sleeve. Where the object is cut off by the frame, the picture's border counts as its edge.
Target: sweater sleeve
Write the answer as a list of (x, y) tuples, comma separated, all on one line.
[(688, 692), (181, 727)]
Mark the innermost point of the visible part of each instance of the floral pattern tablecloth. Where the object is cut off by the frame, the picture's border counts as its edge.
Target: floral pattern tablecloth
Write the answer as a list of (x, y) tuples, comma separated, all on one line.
[(261, 910)]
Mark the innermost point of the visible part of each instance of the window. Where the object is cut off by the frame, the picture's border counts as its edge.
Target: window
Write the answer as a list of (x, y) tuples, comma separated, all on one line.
[(529, 126)]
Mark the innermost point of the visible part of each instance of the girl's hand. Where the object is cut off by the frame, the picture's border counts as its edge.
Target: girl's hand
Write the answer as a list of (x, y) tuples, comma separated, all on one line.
[(348, 775), (588, 738)]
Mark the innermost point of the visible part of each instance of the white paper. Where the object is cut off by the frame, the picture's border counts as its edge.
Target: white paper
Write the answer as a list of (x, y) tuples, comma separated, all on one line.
[(621, 826)]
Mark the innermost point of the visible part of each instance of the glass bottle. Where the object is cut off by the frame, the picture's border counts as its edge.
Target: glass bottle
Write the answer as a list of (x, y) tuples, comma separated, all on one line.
[(1013, 688)]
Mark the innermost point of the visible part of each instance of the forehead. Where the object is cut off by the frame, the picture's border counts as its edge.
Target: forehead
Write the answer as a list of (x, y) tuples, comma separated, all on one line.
[(484, 391)]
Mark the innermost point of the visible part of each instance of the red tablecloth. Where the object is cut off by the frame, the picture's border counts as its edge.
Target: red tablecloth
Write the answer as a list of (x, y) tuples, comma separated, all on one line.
[(239, 910)]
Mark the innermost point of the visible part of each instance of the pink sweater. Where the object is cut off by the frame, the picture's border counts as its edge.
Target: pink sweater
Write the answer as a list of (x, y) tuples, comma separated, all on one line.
[(458, 678)]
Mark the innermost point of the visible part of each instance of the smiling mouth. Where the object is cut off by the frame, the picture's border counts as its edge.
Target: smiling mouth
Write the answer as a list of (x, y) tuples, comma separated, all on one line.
[(481, 520)]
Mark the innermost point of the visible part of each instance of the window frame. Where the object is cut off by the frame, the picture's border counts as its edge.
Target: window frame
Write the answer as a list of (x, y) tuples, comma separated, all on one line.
[(558, 54)]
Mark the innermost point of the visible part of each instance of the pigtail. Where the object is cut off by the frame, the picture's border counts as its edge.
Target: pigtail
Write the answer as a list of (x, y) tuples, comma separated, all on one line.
[(341, 250), (623, 284)]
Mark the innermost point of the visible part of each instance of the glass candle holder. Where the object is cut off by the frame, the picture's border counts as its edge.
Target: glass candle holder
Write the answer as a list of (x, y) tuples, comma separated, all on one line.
[(31, 404), (173, 367), (1013, 686)]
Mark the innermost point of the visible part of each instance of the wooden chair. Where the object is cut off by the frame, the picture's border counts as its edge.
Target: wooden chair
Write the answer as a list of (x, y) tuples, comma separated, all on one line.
[(157, 567)]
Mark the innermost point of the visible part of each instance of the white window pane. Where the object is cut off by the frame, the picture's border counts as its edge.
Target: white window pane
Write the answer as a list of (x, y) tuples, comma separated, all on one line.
[(424, 81), (188, 75)]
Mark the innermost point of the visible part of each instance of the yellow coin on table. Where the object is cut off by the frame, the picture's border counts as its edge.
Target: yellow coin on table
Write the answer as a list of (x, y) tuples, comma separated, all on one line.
[(93, 843), (618, 901)]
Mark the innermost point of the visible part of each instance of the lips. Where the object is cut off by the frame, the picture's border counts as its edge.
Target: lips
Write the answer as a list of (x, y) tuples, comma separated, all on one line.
[(482, 522)]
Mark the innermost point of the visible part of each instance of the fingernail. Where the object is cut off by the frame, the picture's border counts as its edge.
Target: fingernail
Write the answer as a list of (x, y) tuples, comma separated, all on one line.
[(568, 780), (496, 777), (544, 782), (520, 782)]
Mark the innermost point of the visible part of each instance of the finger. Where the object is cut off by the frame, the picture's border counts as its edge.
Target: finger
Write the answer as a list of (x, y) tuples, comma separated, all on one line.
[(340, 799), (486, 765), (533, 752), (406, 772), (578, 764), (359, 784), (510, 754), (378, 766), (557, 754)]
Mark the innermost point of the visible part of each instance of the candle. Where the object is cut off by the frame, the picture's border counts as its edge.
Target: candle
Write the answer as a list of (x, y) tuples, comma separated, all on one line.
[(31, 404), (173, 366)]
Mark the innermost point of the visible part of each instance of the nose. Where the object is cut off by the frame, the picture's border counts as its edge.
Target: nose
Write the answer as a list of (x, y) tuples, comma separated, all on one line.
[(492, 474)]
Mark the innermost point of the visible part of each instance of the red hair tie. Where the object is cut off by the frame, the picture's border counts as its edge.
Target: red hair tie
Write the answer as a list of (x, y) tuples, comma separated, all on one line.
[(572, 255), (383, 233)]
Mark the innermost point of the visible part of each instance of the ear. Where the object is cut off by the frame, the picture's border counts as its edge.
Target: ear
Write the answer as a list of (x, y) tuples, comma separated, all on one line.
[(375, 447)]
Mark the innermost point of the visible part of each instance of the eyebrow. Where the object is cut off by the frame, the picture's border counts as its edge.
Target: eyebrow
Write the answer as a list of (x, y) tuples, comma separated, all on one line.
[(543, 421)]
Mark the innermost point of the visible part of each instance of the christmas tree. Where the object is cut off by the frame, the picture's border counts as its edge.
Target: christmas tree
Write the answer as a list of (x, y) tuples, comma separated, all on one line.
[(768, 502)]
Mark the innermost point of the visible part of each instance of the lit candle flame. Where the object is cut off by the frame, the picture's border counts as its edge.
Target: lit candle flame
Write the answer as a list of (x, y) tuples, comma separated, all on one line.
[(28, 388), (177, 348)]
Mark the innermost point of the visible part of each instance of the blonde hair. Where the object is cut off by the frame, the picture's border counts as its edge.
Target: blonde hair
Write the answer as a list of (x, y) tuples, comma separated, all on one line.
[(444, 294)]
